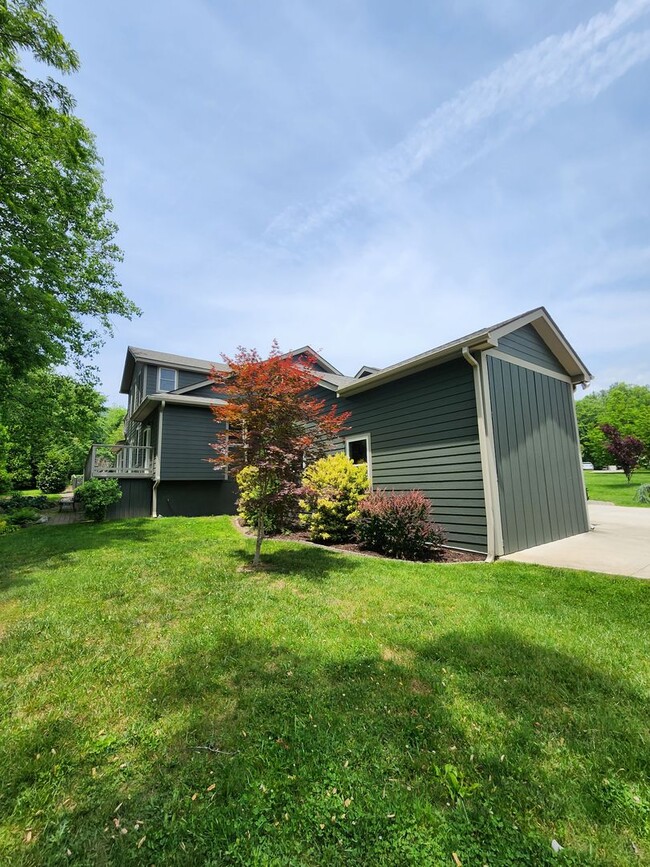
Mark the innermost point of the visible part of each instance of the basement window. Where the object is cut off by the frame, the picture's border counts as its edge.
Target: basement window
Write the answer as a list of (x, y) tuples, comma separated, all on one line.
[(167, 379), (358, 450)]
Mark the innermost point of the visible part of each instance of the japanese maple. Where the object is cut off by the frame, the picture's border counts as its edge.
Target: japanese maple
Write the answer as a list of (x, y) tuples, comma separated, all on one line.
[(271, 420)]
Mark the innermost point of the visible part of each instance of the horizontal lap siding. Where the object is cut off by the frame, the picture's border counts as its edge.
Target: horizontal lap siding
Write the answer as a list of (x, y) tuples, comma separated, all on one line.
[(526, 344), (538, 466), (185, 378), (187, 432), (424, 436)]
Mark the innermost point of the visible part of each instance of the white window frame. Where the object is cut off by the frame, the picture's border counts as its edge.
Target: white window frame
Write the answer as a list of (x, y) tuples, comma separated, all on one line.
[(355, 439), (160, 370)]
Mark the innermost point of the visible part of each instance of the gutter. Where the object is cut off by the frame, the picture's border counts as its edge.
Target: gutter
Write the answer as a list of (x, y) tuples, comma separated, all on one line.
[(490, 501), (154, 493)]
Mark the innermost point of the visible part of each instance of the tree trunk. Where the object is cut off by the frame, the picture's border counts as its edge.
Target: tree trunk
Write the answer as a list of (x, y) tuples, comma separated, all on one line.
[(260, 537)]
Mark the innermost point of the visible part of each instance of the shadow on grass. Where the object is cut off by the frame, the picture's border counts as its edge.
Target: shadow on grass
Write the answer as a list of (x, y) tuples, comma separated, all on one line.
[(299, 560), (51, 547), (245, 749), (288, 739)]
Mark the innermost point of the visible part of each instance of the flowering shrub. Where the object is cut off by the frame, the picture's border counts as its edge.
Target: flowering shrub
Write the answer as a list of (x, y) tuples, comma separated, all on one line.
[(54, 473), (332, 488), (398, 525)]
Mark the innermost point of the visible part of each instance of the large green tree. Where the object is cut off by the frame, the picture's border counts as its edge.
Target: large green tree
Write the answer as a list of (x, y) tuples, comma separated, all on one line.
[(58, 286), (51, 414), (625, 407)]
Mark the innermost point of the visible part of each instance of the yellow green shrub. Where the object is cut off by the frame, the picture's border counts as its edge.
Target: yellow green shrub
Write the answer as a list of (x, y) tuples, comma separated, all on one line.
[(333, 487)]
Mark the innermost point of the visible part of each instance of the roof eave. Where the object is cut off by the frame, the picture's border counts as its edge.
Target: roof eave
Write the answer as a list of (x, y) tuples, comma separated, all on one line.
[(422, 362)]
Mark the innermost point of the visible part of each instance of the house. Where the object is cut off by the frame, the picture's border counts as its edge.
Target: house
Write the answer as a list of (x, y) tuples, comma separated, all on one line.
[(485, 426)]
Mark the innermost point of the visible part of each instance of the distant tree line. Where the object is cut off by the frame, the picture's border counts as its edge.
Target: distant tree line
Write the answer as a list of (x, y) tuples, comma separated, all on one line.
[(621, 406)]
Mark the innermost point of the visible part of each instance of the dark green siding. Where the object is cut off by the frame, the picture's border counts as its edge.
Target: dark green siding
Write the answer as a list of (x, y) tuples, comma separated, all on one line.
[(424, 435), (526, 344), (540, 482), (185, 378), (197, 498), (187, 432), (135, 502), (152, 379)]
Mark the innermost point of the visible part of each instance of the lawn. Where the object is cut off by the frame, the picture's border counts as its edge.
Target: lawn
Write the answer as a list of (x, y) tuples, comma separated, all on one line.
[(614, 488), (164, 705)]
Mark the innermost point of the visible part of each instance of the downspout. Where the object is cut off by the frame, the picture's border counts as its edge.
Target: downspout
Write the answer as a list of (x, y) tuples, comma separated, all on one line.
[(154, 494), (483, 448)]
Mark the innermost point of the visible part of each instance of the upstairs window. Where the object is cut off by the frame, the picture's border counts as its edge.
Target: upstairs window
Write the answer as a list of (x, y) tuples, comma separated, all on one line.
[(167, 379)]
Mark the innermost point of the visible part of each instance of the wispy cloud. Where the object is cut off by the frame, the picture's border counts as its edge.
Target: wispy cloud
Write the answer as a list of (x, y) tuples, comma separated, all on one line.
[(575, 65)]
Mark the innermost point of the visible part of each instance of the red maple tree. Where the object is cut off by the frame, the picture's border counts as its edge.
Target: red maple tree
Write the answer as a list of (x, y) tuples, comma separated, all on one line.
[(271, 421)]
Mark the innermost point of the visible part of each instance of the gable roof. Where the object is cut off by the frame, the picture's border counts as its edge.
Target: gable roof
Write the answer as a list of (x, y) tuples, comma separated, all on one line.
[(366, 370), (163, 359), (307, 350), (485, 338)]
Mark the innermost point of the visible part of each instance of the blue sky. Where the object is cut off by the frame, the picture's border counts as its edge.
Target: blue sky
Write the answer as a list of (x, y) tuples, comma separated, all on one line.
[(372, 178)]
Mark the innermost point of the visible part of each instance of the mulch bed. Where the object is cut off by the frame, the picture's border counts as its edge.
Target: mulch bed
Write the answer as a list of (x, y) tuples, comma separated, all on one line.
[(449, 555)]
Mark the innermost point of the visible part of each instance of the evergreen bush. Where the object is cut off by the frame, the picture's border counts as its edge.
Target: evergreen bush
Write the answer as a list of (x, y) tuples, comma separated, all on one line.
[(332, 489), (54, 473), (642, 494)]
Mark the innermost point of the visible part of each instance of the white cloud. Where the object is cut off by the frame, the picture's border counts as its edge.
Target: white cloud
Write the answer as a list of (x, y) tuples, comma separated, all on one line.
[(575, 65)]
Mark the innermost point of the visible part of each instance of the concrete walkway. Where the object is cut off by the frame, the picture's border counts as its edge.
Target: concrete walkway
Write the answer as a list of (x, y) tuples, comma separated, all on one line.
[(619, 544)]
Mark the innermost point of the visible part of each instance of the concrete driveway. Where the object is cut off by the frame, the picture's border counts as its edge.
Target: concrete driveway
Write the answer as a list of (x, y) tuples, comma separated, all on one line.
[(619, 544)]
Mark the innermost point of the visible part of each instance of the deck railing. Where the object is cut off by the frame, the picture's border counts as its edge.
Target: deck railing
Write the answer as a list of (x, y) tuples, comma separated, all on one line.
[(106, 461)]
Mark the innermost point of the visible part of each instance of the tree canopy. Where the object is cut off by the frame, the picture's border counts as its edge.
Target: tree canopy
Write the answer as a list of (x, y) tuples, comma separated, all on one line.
[(49, 413), (625, 407), (58, 285)]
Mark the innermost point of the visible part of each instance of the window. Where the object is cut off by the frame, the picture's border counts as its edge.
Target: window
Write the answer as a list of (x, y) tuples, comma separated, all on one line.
[(358, 450), (167, 378)]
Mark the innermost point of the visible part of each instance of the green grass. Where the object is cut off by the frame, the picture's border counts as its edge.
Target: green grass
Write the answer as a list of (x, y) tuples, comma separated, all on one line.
[(614, 488), (366, 712)]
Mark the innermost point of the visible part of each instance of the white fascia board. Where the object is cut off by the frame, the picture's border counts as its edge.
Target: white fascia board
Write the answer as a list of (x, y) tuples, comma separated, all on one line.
[(193, 387), (554, 339), (153, 400)]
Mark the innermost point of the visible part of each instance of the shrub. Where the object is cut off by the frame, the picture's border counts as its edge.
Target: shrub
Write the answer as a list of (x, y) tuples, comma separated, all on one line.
[(642, 494), (398, 525), (332, 490), (22, 517), (6, 481), (278, 516), (54, 473), (20, 501), (97, 495), (6, 527)]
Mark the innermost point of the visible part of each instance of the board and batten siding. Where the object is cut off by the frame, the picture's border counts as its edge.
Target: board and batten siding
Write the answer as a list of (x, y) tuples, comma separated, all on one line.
[(541, 488), (526, 344), (187, 432), (424, 435)]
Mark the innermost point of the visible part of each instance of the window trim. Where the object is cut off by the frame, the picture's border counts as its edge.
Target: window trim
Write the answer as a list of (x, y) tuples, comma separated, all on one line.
[(160, 370), (357, 438)]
